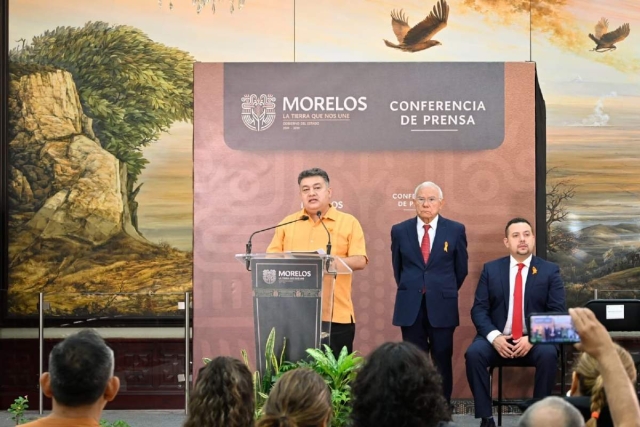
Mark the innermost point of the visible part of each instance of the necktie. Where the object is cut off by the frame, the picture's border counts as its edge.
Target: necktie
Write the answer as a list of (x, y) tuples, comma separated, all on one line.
[(516, 325), (425, 246)]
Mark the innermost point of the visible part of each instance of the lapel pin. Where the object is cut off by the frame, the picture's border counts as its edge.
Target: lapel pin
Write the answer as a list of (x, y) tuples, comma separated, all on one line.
[(534, 270), (446, 246)]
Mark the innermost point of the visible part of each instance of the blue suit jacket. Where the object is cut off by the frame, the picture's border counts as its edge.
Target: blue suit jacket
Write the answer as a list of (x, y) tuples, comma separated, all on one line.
[(543, 293), (441, 277)]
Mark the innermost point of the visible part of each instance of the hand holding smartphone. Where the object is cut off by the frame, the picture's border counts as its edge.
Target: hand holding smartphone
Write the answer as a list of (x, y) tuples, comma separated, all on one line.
[(552, 328)]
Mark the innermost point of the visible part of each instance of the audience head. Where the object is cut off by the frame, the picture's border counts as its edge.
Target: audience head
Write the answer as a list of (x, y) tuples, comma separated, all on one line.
[(300, 398), (587, 380), (222, 396), (81, 371), (551, 411), (398, 386)]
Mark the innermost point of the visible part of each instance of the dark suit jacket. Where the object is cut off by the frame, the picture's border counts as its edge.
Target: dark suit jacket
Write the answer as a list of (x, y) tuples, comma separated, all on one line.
[(441, 277), (544, 293)]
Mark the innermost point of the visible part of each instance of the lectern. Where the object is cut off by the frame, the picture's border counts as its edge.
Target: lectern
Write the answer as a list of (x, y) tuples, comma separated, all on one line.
[(292, 292)]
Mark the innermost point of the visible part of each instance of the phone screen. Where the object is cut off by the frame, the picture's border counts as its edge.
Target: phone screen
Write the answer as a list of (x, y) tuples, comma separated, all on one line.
[(552, 329)]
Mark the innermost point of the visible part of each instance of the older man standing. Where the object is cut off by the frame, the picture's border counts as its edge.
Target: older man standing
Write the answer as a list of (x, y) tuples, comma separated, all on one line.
[(347, 238), (429, 255)]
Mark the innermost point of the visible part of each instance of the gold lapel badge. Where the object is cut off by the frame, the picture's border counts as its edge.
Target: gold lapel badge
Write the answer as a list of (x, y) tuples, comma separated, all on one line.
[(446, 246), (534, 270)]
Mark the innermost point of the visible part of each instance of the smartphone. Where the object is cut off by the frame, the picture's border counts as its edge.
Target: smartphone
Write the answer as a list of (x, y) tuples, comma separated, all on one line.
[(552, 328)]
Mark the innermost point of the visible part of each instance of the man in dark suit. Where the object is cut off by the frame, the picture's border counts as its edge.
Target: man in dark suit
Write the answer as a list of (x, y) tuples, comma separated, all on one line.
[(509, 290), (429, 255)]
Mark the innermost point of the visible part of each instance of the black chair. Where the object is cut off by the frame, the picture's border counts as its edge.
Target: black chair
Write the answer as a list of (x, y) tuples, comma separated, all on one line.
[(500, 401), (628, 309), (607, 312)]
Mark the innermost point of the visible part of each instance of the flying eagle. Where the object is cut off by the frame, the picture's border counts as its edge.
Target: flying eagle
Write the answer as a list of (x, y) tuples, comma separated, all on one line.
[(606, 41), (419, 37)]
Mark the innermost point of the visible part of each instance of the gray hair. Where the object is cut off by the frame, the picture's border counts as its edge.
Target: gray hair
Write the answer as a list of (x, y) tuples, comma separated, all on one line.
[(427, 184), (551, 407)]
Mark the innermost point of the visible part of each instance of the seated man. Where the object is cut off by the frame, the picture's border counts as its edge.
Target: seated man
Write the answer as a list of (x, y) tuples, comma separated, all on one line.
[(80, 381), (509, 290)]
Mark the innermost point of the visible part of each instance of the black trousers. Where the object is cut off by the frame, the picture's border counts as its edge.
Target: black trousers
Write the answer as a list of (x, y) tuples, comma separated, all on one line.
[(481, 355), (438, 342), (342, 335)]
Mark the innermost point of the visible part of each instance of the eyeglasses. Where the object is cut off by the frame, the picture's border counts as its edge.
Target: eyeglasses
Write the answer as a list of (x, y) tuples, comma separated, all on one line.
[(429, 201)]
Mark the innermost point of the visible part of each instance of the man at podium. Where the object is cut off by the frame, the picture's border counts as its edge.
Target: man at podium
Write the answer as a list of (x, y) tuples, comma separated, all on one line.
[(347, 242)]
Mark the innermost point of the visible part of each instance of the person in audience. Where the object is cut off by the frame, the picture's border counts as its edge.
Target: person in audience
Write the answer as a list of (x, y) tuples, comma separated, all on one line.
[(299, 398), (80, 381), (587, 389), (551, 411), (399, 386), (223, 395), (595, 389), (510, 289)]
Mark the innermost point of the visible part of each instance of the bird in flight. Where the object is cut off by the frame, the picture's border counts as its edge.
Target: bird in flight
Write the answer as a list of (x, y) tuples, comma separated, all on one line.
[(606, 41), (419, 37)]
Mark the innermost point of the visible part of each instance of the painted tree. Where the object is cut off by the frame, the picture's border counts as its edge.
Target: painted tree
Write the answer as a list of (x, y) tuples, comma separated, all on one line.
[(132, 87), (558, 193)]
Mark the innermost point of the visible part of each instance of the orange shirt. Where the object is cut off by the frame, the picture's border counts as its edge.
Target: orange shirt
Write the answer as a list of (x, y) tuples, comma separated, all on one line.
[(347, 239)]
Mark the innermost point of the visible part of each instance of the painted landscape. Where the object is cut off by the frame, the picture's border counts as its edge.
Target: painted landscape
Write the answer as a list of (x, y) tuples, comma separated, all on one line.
[(101, 194), (595, 175)]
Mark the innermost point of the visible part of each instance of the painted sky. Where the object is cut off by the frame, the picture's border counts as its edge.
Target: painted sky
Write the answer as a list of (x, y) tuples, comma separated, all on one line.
[(334, 30), (581, 88), (261, 31)]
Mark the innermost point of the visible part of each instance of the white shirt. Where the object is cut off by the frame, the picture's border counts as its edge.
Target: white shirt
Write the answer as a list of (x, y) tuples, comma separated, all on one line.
[(432, 231), (513, 271)]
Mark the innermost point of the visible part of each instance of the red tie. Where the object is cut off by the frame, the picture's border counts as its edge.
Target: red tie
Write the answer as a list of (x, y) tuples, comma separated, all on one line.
[(516, 325), (425, 247)]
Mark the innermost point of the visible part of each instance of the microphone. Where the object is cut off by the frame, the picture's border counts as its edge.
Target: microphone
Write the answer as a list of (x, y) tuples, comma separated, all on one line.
[(328, 234), (248, 246)]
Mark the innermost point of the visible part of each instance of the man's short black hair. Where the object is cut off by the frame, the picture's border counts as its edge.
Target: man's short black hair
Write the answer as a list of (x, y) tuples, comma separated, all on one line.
[(515, 221), (313, 172), (80, 368)]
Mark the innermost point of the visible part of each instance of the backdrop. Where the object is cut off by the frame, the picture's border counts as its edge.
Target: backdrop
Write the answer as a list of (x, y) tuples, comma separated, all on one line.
[(378, 130)]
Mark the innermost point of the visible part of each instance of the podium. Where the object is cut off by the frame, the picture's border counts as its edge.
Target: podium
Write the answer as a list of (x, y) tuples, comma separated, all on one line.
[(292, 292)]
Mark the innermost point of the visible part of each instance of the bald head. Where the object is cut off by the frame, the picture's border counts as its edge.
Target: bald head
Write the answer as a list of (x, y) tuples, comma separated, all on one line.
[(551, 411)]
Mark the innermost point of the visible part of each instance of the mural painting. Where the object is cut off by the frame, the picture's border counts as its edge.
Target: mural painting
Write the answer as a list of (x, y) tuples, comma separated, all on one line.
[(100, 131), (593, 155), (100, 152)]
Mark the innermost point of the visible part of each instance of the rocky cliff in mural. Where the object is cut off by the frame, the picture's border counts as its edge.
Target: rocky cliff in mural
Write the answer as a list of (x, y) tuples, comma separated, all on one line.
[(71, 230), (58, 169)]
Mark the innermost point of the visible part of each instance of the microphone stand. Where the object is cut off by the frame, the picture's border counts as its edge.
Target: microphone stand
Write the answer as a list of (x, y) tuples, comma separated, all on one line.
[(248, 246), (319, 213)]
